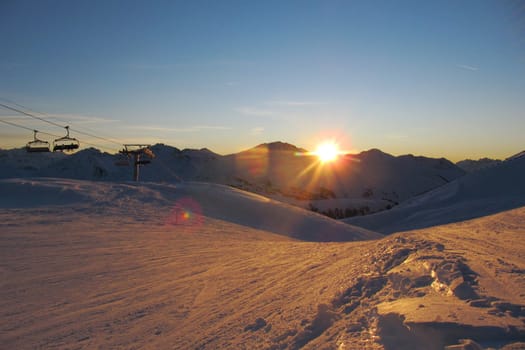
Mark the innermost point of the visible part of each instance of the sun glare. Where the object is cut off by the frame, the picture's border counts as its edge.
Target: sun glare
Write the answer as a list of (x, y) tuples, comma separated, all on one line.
[(327, 152)]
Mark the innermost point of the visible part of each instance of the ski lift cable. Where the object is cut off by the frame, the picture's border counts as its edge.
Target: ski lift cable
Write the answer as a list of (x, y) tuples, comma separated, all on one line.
[(53, 123), (30, 115), (26, 128), (62, 120), (46, 133), (97, 137), (60, 126)]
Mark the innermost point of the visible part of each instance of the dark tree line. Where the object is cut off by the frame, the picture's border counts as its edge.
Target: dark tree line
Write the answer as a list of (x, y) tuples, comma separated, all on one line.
[(338, 213)]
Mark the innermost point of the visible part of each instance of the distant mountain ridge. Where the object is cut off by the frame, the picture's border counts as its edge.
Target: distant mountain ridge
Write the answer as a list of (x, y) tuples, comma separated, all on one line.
[(470, 165), (279, 146), (275, 168)]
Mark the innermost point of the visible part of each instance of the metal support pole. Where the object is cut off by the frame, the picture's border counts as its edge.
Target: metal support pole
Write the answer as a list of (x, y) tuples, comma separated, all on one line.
[(137, 153), (136, 157)]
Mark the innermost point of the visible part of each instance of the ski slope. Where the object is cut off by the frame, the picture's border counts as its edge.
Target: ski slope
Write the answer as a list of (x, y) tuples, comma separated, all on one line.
[(476, 194), (90, 265), (169, 203)]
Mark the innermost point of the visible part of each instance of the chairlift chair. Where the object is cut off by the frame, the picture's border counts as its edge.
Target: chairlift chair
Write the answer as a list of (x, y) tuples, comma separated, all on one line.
[(65, 143), (37, 145), (147, 151)]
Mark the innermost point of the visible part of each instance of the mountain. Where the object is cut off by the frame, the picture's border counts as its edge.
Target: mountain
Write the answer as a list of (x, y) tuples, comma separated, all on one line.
[(470, 165), (402, 177), (483, 192), (277, 169), (371, 175), (277, 146)]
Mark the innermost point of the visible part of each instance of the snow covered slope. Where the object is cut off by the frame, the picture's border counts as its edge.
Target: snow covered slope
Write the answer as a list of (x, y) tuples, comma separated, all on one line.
[(188, 203), (94, 265), (477, 194), (19, 163)]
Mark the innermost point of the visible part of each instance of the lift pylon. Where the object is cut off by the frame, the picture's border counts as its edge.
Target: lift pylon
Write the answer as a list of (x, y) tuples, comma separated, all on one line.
[(137, 151)]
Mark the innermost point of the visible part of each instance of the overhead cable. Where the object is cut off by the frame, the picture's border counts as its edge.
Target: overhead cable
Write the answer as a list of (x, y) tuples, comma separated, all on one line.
[(25, 127), (58, 125), (31, 115), (53, 123)]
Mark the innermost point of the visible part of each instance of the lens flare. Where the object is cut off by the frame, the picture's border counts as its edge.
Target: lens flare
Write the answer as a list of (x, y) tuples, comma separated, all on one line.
[(327, 152), (185, 213)]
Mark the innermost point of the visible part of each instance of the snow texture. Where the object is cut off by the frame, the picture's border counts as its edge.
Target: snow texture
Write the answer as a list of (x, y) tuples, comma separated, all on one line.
[(199, 266)]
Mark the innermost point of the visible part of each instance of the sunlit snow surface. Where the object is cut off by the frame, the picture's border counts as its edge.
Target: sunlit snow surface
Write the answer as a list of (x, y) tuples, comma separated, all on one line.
[(186, 203), (198, 266)]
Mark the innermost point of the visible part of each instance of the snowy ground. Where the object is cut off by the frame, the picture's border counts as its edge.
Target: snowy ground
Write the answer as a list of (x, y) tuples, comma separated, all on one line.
[(87, 265)]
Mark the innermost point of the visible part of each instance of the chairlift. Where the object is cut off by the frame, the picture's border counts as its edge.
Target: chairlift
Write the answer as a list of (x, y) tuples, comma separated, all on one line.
[(37, 145), (147, 151), (65, 143)]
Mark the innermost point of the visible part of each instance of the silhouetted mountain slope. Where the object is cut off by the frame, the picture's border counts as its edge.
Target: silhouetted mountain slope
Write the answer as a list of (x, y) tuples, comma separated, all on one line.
[(470, 165), (269, 168), (483, 192)]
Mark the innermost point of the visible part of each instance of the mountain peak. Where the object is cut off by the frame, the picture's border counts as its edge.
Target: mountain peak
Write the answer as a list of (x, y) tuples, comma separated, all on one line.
[(203, 152), (280, 146), (160, 147), (374, 152)]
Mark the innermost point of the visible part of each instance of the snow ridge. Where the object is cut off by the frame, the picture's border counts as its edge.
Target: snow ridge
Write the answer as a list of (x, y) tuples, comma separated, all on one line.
[(199, 200), (480, 193)]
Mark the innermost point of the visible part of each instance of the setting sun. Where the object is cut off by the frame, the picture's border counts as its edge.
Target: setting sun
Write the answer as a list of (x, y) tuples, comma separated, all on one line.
[(327, 152)]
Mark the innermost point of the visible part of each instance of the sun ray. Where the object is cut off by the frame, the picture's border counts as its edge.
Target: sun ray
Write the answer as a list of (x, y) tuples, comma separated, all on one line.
[(327, 152)]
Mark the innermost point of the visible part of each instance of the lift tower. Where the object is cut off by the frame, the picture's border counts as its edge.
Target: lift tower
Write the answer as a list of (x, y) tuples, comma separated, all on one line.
[(137, 151)]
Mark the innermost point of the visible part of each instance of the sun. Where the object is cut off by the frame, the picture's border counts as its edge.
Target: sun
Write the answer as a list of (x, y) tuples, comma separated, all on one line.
[(327, 152)]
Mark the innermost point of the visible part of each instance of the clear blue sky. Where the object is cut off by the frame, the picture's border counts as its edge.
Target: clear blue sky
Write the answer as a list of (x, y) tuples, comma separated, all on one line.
[(441, 78)]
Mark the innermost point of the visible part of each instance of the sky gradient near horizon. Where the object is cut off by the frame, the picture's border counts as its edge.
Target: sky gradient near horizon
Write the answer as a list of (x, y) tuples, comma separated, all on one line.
[(441, 79)]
